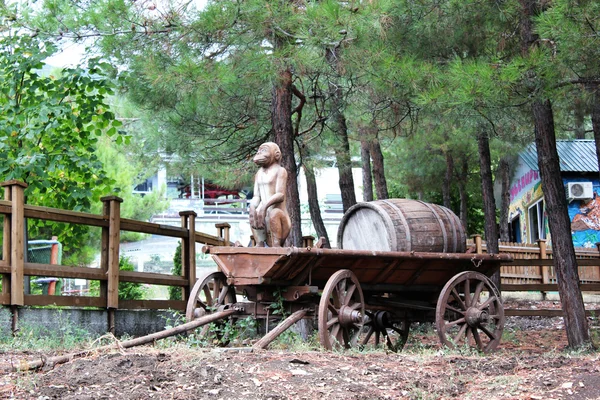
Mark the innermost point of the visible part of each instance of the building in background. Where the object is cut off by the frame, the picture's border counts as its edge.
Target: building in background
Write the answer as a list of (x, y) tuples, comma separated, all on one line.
[(579, 171)]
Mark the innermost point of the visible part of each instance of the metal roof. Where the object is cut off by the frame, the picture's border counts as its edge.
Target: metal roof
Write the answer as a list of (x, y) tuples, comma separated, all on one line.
[(575, 155)]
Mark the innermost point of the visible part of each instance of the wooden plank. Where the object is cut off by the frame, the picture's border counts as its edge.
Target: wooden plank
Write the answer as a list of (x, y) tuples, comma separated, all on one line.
[(64, 301), (514, 312), (387, 272), (114, 232), (417, 274), (209, 239), (152, 278), (57, 215), (5, 263), (105, 236), (521, 276), (17, 240), (153, 229), (550, 287), (550, 262), (64, 271), (152, 305), (5, 298)]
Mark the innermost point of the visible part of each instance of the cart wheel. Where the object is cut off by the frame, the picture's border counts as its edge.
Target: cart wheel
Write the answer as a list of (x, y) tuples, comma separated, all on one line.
[(341, 311), (209, 293), (385, 327), (470, 311)]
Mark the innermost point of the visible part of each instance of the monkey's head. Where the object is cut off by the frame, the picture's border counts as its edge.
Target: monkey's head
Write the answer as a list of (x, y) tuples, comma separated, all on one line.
[(268, 153)]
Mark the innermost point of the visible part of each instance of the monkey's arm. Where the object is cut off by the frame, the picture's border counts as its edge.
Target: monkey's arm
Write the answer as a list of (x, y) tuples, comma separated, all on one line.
[(254, 203), (279, 195)]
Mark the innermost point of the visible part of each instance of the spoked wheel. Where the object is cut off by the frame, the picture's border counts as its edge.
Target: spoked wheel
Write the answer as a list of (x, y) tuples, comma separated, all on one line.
[(341, 311), (470, 311), (381, 328), (210, 292)]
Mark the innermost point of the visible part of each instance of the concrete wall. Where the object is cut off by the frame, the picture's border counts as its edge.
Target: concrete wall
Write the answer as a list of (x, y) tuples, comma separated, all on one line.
[(95, 322)]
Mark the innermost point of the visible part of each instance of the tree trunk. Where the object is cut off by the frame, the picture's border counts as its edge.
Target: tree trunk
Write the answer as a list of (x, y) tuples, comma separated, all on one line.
[(378, 170), (504, 172), (556, 205), (489, 204), (313, 205), (563, 252), (446, 198), (281, 117), (462, 190), (346, 180), (340, 130), (367, 177), (596, 123)]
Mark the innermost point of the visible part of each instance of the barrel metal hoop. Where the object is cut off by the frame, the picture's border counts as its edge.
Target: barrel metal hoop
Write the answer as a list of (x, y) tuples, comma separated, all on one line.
[(442, 227), (404, 222)]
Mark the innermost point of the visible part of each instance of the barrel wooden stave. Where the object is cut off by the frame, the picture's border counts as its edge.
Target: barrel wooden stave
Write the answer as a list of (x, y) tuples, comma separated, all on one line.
[(401, 225)]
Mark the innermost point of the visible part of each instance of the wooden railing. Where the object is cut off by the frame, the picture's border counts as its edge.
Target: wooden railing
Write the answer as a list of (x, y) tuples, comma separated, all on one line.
[(14, 268), (533, 270)]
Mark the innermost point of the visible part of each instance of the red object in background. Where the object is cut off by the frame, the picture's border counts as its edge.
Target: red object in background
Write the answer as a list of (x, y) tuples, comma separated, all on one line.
[(212, 191)]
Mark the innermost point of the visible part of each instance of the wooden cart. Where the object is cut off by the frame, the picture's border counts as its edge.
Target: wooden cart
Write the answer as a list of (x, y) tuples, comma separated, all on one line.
[(359, 298)]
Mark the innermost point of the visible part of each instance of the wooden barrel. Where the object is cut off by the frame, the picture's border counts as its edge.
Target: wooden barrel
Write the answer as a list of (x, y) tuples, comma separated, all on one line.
[(401, 225)]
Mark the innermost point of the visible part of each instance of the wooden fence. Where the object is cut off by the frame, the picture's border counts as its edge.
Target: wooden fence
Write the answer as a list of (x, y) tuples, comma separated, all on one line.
[(14, 268), (533, 270)]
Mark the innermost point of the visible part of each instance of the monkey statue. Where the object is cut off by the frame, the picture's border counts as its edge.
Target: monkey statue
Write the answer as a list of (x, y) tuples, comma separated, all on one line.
[(269, 218)]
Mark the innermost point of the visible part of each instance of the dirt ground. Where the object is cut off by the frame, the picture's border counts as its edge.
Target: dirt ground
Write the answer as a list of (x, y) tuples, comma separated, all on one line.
[(531, 363)]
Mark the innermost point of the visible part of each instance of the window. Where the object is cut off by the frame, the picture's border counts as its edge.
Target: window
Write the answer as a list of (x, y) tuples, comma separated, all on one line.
[(537, 222)]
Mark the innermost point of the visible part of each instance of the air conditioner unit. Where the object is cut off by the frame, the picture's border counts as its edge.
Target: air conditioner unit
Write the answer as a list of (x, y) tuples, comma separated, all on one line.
[(580, 190)]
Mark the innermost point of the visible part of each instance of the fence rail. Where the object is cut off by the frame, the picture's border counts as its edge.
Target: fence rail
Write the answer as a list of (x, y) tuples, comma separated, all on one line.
[(13, 266)]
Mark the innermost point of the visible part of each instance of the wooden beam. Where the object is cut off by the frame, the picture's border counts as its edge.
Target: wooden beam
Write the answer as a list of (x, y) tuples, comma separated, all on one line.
[(17, 240), (64, 301), (6, 243), (153, 229), (550, 287), (57, 215), (514, 312), (114, 234), (152, 305), (152, 278), (581, 262), (64, 271), (279, 329), (210, 239)]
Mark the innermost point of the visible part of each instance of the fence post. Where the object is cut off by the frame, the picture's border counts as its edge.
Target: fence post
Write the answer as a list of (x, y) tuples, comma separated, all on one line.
[(478, 244), (308, 241), (14, 192), (17, 240), (112, 210), (545, 268), (223, 232), (6, 245), (188, 251)]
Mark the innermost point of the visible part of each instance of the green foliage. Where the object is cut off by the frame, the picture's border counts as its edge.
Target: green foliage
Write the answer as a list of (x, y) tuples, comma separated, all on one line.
[(129, 290), (175, 291), (49, 128)]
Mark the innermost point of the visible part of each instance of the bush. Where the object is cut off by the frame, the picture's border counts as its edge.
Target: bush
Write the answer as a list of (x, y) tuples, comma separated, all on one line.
[(129, 290), (175, 291)]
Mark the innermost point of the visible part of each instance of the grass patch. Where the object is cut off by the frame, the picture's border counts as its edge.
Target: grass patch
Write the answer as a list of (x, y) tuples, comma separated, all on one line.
[(34, 337)]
